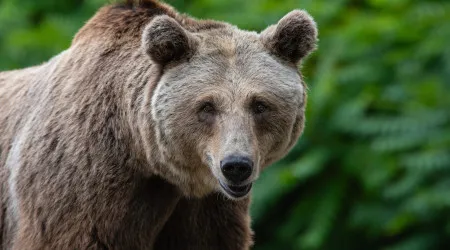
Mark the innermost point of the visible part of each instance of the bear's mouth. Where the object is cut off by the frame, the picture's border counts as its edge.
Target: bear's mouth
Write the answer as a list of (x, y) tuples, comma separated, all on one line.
[(236, 191)]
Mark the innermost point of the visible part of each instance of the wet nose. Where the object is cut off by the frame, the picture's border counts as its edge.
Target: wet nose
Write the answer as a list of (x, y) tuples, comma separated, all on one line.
[(236, 169)]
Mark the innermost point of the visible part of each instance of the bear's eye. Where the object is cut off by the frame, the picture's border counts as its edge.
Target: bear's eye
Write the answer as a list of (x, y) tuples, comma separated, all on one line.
[(207, 112), (259, 107), (208, 108)]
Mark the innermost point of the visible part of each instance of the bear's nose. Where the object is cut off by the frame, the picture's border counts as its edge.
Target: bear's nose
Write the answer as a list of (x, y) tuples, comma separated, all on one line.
[(236, 169)]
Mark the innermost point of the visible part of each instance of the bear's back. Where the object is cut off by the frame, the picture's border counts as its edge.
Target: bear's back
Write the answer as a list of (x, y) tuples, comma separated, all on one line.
[(16, 103)]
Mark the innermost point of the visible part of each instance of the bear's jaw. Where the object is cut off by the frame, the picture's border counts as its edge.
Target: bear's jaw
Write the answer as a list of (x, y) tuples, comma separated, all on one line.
[(235, 192)]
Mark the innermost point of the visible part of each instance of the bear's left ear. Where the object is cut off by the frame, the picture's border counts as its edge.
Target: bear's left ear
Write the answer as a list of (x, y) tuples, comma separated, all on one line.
[(165, 41), (293, 38)]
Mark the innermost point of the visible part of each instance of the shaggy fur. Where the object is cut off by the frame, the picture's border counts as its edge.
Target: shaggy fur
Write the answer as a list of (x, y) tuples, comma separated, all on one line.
[(116, 142)]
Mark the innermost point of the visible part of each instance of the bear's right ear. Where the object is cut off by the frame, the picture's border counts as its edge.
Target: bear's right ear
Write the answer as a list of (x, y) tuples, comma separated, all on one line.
[(165, 41)]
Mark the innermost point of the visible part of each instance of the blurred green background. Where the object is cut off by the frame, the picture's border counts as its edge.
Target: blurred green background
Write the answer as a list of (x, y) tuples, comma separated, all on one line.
[(372, 170)]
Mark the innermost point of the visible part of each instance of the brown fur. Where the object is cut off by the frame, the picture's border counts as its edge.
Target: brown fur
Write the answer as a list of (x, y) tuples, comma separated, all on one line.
[(105, 146)]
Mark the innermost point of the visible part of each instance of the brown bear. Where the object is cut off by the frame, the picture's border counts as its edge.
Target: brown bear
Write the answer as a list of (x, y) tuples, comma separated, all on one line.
[(148, 132)]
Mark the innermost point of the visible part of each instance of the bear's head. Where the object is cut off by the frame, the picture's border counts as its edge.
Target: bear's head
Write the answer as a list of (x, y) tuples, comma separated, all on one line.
[(229, 102)]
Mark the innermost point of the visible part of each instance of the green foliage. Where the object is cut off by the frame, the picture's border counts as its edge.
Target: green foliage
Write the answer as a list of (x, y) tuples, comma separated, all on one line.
[(372, 170)]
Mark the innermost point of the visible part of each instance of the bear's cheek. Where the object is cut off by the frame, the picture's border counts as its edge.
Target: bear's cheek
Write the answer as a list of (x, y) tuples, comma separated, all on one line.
[(185, 135), (210, 148), (273, 133)]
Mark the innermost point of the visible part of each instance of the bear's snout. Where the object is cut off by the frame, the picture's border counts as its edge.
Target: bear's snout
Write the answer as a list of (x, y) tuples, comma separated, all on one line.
[(236, 169)]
